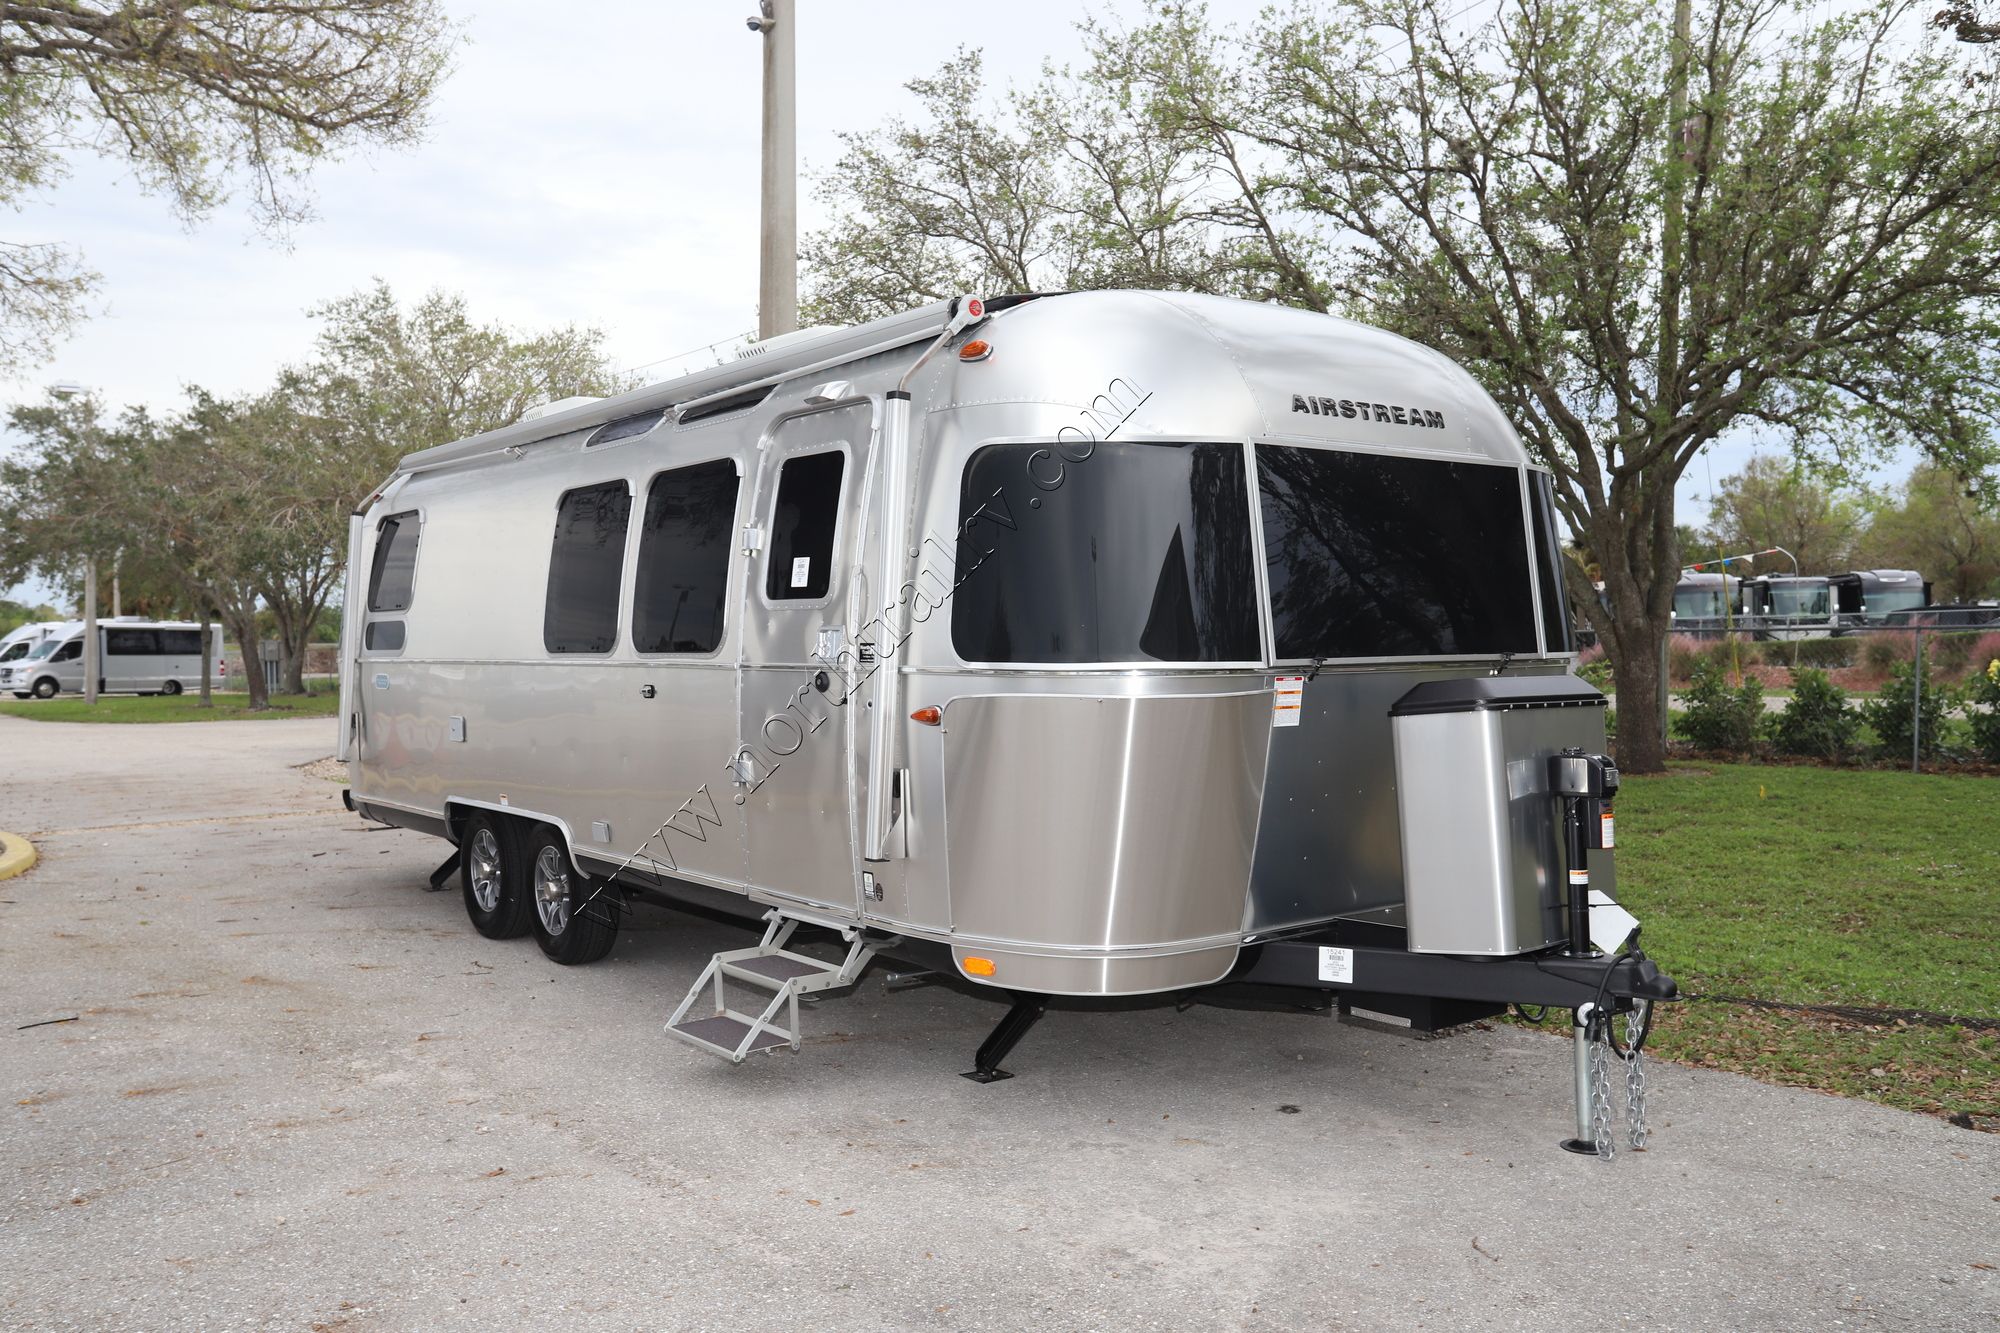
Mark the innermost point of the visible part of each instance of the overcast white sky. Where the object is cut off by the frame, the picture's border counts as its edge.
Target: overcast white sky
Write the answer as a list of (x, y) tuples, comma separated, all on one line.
[(592, 171)]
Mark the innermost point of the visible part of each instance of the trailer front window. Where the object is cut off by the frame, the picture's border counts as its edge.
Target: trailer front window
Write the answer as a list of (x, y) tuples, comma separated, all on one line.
[(1130, 553), (1376, 555)]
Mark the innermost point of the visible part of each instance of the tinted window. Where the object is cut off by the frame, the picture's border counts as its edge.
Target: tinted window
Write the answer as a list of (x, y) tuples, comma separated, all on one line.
[(389, 583), (684, 544), (1379, 556), (581, 614), (69, 652), (383, 635), (131, 643), (1137, 552), (1548, 564), (800, 564), (181, 642)]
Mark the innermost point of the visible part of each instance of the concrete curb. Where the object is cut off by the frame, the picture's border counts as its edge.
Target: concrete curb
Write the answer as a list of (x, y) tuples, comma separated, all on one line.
[(16, 854)]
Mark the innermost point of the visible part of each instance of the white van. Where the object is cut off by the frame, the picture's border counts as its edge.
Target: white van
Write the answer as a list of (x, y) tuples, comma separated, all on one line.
[(135, 656), (19, 642)]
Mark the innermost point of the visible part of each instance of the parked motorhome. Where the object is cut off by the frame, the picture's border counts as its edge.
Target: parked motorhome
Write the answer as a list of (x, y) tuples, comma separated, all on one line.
[(1789, 606), (1091, 644), (21, 640), (135, 657), (1869, 596), (1705, 601)]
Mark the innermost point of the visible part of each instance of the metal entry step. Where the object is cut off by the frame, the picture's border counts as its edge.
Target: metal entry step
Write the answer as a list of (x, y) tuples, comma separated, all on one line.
[(736, 1034)]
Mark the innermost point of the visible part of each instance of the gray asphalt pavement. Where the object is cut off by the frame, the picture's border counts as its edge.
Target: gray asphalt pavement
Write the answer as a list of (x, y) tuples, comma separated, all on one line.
[(303, 1094)]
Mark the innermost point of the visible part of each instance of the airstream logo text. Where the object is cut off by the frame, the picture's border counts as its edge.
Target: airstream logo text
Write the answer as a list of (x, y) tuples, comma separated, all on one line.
[(1393, 413)]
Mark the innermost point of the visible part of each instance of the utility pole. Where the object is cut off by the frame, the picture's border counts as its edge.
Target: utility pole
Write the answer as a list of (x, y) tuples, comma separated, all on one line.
[(91, 665), (778, 243)]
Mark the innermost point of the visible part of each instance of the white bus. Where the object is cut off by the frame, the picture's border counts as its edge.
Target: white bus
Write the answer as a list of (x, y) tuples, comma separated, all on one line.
[(134, 656)]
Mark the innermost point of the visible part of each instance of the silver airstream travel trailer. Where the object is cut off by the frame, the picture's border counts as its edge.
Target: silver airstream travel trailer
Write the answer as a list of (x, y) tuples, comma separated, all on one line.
[(1091, 644)]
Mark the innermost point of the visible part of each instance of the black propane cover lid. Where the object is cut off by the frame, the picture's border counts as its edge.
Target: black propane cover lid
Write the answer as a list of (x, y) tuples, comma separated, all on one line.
[(1468, 694)]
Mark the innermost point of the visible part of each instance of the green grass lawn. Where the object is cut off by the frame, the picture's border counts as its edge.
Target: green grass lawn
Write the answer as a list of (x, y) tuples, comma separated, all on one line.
[(182, 708), (1822, 886)]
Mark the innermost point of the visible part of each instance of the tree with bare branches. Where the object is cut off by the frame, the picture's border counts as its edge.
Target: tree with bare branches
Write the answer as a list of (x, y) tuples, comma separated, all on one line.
[(197, 97)]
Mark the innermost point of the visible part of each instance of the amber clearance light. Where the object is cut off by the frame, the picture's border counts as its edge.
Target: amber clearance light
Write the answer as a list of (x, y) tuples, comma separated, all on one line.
[(976, 350), (930, 715), (977, 967)]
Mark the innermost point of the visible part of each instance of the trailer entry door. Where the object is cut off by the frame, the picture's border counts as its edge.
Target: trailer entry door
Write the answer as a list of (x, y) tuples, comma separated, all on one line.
[(794, 767)]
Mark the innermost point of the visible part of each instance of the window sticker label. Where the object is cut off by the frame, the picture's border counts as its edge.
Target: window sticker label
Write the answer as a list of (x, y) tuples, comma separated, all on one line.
[(1288, 696), (802, 571), (1336, 965)]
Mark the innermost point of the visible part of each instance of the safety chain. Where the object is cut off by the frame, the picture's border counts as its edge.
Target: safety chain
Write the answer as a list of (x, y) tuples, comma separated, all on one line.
[(1600, 1086), (1635, 1073)]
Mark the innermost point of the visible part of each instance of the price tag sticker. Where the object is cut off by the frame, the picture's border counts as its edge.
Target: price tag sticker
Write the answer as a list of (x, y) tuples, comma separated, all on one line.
[(802, 571), (1336, 964)]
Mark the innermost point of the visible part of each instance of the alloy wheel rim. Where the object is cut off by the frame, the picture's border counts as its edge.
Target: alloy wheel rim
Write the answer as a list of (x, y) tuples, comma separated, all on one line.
[(486, 870), (552, 890)]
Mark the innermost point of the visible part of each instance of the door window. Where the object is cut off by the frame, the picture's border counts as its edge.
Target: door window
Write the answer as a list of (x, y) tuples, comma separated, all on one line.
[(799, 566)]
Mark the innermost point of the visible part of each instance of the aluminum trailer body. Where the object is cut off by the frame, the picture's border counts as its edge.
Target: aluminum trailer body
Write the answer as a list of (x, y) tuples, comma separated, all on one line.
[(1059, 645)]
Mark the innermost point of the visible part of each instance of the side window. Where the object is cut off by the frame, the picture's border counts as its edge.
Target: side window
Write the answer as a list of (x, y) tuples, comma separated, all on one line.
[(69, 652), (581, 614), (799, 566), (390, 581), (131, 643), (181, 642), (383, 635), (684, 543)]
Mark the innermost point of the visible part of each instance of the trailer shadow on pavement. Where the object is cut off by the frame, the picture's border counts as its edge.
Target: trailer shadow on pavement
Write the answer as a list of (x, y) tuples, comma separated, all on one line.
[(299, 1091)]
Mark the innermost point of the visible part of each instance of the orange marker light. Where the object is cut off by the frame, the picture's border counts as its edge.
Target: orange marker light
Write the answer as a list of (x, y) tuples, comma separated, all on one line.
[(978, 967), (929, 716), (976, 350)]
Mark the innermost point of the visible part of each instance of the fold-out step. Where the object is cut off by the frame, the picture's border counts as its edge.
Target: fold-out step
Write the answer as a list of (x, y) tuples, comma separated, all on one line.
[(736, 1034)]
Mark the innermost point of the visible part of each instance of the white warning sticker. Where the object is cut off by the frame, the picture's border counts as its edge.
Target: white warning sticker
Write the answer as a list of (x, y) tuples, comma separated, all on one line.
[(802, 571), (1604, 825), (1288, 696), (1336, 964)]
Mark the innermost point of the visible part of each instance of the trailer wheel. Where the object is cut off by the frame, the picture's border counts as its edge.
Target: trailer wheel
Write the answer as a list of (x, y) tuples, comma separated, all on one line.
[(171, 688), (46, 687), (493, 877), (576, 918)]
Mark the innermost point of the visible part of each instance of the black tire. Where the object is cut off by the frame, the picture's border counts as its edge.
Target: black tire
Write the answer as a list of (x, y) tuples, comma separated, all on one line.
[(22, 694), (492, 877), (575, 918), (46, 688), (171, 688)]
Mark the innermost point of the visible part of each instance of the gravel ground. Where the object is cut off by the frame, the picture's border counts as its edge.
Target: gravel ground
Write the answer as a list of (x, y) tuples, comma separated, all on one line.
[(302, 1093)]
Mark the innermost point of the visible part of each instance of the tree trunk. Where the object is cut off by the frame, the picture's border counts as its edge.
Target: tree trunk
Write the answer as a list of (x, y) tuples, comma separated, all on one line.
[(1635, 675), (243, 624), (207, 659)]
